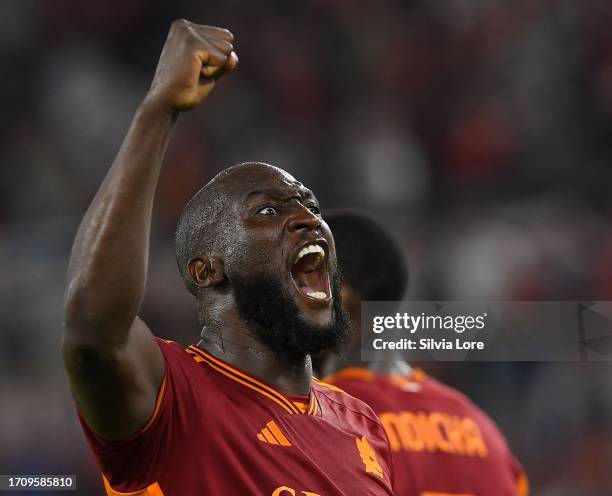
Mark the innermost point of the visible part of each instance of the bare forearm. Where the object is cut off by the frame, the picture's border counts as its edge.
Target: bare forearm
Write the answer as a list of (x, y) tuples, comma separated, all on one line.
[(108, 266), (113, 360)]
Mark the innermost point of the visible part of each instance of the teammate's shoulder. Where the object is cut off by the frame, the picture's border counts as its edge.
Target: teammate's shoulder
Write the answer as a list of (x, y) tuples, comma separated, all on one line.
[(379, 391), (357, 381), (350, 374), (340, 400)]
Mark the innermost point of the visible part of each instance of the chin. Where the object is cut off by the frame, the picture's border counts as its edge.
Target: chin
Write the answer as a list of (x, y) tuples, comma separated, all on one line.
[(321, 319), (288, 320)]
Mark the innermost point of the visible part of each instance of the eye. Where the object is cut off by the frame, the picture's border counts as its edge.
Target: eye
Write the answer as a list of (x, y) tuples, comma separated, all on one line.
[(268, 210), (314, 209)]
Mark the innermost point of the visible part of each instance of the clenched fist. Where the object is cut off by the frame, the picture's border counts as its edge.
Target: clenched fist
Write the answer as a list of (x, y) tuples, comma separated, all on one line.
[(193, 58)]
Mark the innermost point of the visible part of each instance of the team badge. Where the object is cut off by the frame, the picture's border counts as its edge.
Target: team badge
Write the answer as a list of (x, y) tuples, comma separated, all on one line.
[(368, 456)]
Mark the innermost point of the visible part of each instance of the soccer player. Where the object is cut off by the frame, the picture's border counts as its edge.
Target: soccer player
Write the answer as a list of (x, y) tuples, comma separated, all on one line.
[(238, 413), (442, 443)]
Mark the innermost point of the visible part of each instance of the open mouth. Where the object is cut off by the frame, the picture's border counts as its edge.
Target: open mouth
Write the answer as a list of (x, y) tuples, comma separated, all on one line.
[(309, 273)]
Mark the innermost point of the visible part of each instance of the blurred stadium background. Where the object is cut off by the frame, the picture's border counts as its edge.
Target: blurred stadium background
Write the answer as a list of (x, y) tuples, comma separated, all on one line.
[(478, 130)]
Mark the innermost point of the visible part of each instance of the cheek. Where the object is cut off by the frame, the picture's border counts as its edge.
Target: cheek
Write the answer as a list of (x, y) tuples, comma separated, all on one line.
[(251, 253)]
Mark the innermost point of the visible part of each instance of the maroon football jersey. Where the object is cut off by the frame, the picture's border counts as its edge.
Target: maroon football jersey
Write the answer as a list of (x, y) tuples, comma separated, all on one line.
[(442, 444), (217, 430)]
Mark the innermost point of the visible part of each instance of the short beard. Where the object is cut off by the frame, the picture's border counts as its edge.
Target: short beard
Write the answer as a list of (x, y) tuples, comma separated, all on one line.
[(275, 320)]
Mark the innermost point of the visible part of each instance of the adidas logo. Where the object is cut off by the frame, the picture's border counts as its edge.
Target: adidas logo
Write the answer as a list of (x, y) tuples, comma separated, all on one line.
[(272, 434)]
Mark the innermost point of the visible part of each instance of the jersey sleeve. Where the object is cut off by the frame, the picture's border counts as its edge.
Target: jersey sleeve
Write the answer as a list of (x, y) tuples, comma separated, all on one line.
[(514, 465), (522, 482), (387, 455), (126, 465)]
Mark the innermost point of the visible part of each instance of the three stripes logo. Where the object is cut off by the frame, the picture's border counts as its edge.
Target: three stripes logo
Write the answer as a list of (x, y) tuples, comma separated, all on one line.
[(272, 434)]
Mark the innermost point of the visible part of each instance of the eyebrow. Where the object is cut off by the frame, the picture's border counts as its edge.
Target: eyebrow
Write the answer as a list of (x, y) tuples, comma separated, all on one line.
[(283, 195)]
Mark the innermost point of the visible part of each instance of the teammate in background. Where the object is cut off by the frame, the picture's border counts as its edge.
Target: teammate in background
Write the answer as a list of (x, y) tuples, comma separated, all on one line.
[(238, 413), (442, 443)]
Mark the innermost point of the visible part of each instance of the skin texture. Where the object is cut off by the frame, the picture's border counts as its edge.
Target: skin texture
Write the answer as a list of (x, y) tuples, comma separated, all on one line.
[(115, 366)]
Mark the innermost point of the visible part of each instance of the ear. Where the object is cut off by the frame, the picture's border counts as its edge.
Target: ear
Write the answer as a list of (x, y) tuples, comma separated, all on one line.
[(206, 272)]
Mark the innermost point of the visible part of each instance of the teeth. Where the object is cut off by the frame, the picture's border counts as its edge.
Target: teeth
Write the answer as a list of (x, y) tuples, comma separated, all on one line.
[(320, 295), (309, 249)]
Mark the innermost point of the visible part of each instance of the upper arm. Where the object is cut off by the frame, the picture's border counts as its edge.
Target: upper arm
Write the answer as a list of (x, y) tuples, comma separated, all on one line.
[(514, 465), (115, 386), (520, 477), (522, 485)]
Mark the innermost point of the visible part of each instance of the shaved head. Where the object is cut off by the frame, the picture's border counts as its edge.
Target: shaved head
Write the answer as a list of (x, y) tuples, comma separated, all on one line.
[(207, 224)]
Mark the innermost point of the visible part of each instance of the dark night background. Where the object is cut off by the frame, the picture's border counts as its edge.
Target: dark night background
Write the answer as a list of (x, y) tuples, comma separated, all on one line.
[(478, 131)]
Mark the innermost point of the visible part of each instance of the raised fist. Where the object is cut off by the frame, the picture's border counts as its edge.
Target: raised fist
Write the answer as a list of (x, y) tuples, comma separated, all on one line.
[(193, 58)]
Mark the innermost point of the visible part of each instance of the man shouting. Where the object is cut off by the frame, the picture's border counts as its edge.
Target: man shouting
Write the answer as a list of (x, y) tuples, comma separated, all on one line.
[(239, 413)]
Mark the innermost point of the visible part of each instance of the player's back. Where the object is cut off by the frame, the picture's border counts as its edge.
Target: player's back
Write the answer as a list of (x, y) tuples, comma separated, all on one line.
[(218, 430), (442, 444)]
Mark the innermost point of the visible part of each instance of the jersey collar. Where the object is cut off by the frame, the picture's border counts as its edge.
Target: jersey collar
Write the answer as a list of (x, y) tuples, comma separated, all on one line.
[(273, 394)]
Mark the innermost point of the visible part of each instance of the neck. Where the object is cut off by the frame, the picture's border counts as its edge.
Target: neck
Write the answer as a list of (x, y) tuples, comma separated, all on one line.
[(352, 358), (237, 345)]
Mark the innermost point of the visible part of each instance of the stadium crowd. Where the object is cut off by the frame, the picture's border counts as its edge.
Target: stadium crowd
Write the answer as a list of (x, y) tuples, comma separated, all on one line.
[(479, 132)]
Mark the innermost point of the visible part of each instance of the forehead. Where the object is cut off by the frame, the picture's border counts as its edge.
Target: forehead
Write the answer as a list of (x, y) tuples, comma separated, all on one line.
[(268, 180)]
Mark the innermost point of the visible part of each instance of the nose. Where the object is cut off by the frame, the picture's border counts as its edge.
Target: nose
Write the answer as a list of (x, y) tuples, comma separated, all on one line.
[(302, 218)]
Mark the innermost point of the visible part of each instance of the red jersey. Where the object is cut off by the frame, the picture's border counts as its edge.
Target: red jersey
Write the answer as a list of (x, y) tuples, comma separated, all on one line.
[(217, 431), (442, 444)]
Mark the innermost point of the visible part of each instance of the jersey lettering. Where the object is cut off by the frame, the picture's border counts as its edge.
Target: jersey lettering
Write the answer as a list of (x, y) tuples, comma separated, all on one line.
[(434, 431)]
